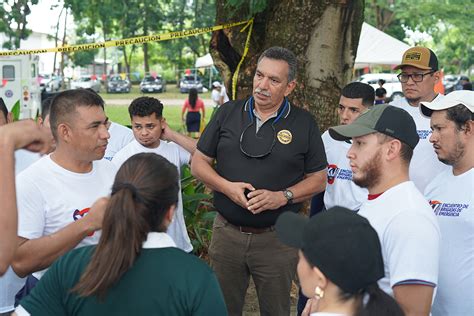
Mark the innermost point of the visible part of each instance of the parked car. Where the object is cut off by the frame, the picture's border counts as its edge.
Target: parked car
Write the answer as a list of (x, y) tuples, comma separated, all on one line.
[(452, 82), (153, 84), (50, 83), (118, 84), (86, 82), (190, 81), (392, 84)]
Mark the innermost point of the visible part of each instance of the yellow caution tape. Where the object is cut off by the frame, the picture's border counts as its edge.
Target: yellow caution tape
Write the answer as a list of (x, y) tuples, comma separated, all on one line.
[(126, 41), (246, 49)]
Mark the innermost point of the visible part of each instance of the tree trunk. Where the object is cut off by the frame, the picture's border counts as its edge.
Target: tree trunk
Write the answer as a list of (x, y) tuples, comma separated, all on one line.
[(323, 34)]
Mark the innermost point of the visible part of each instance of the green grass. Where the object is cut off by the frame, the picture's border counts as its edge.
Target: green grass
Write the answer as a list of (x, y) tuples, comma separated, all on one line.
[(119, 114), (172, 92)]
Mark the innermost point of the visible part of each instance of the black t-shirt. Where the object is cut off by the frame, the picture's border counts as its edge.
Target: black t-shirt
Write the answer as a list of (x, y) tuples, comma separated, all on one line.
[(298, 150)]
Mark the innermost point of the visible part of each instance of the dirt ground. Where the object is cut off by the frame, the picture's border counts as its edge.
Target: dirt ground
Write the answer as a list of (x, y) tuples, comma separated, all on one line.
[(251, 301)]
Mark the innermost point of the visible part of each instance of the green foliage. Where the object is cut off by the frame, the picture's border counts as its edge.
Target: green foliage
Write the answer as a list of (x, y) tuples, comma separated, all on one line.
[(83, 57), (198, 212), (13, 21), (252, 7), (448, 22)]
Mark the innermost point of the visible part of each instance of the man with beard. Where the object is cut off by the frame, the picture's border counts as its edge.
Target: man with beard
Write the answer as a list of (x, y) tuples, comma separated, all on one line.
[(419, 75), (57, 192), (451, 195), (269, 159), (383, 140)]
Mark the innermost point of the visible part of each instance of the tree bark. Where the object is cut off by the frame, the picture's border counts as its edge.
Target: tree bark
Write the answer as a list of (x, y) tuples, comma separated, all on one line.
[(323, 34)]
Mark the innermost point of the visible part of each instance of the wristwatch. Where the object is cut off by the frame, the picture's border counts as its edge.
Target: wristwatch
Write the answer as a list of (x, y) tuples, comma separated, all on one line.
[(288, 195)]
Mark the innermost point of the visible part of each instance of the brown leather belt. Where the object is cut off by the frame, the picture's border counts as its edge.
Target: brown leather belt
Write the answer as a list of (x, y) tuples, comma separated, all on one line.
[(247, 229)]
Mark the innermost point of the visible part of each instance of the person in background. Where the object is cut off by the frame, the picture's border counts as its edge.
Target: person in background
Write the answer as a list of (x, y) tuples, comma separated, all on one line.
[(380, 93), (152, 134), (191, 112), (451, 195), (383, 140), (419, 75), (465, 83), (340, 262), (218, 95), (136, 269), (120, 136)]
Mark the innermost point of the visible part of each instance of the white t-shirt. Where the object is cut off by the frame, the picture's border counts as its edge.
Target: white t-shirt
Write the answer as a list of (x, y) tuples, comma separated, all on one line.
[(50, 197), (120, 136), (409, 235), (425, 164), (24, 158), (177, 156), (10, 283), (452, 200), (340, 190), (216, 95)]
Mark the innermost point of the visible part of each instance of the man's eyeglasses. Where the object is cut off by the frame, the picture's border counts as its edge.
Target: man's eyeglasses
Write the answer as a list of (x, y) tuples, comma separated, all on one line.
[(416, 77)]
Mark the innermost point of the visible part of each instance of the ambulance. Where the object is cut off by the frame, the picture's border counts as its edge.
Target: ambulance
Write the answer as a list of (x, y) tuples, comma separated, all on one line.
[(19, 85)]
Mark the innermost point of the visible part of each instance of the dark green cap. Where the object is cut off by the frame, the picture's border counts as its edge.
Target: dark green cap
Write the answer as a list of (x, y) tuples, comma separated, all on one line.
[(386, 119)]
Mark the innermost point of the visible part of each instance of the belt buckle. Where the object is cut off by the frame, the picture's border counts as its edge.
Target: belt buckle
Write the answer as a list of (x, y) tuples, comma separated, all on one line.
[(242, 232)]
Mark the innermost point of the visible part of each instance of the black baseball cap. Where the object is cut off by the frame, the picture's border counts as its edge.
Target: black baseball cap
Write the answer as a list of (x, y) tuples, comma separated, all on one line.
[(384, 118), (339, 242)]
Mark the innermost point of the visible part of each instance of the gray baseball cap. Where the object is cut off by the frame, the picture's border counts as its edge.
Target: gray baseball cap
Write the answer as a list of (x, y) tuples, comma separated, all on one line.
[(383, 118)]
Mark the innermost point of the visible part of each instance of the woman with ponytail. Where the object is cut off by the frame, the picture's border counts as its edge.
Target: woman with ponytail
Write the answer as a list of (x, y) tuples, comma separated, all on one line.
[(136, 269), (340, 262), (192, 108)]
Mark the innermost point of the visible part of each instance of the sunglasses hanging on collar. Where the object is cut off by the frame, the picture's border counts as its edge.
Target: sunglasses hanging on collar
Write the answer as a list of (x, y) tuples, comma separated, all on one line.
[(259, 144)]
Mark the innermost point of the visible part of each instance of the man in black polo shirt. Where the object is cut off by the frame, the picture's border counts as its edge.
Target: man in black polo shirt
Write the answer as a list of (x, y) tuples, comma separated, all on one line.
[(269, 159)]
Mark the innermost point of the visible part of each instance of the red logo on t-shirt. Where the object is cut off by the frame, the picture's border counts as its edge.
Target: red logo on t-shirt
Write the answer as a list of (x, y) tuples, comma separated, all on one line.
[(80, 214), (332, 173)]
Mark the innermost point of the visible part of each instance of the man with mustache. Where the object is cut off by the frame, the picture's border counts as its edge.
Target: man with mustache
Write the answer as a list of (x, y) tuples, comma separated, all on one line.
[(269, 159), (419, 75), (57, 192), (451, 197), (383, 140)]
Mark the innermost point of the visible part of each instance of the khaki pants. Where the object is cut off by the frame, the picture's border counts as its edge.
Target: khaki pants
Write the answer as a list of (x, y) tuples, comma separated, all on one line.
[(236, 256)]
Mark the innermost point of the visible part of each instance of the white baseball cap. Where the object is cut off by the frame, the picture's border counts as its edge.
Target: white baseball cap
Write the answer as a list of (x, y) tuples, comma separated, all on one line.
[(464, 97), (216, 84)]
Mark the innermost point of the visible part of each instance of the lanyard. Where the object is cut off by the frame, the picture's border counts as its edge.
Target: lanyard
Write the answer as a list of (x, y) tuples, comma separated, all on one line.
[(251, 115)]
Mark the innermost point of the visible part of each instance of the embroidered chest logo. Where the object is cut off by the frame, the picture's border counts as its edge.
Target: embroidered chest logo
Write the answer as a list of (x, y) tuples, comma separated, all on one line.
[(77, 215), (447, 209), (334, 172), (424, 133), (284, 136)]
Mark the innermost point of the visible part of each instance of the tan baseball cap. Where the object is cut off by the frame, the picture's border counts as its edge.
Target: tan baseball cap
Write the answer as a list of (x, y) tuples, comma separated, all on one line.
[(419, 57)]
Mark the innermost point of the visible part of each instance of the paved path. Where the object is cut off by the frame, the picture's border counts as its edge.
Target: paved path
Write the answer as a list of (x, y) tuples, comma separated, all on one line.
[(166, 102)]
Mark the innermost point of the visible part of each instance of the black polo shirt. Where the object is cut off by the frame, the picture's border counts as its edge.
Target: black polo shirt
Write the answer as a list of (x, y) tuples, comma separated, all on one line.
[(298, 150)]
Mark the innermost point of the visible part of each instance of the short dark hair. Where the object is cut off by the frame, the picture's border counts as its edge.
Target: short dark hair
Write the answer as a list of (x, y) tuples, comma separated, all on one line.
[(359, 90), (280, 53), (65, 104), (406, 152), (146, 106), (459, 114), (3, 108), (46, 107)]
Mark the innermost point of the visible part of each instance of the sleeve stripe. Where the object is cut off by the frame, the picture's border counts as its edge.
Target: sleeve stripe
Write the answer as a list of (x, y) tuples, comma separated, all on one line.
[(415, 282)]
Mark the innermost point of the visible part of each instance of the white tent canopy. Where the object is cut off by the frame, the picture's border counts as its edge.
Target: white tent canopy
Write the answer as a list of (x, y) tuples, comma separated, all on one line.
[(204, 61), (377, 48)]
